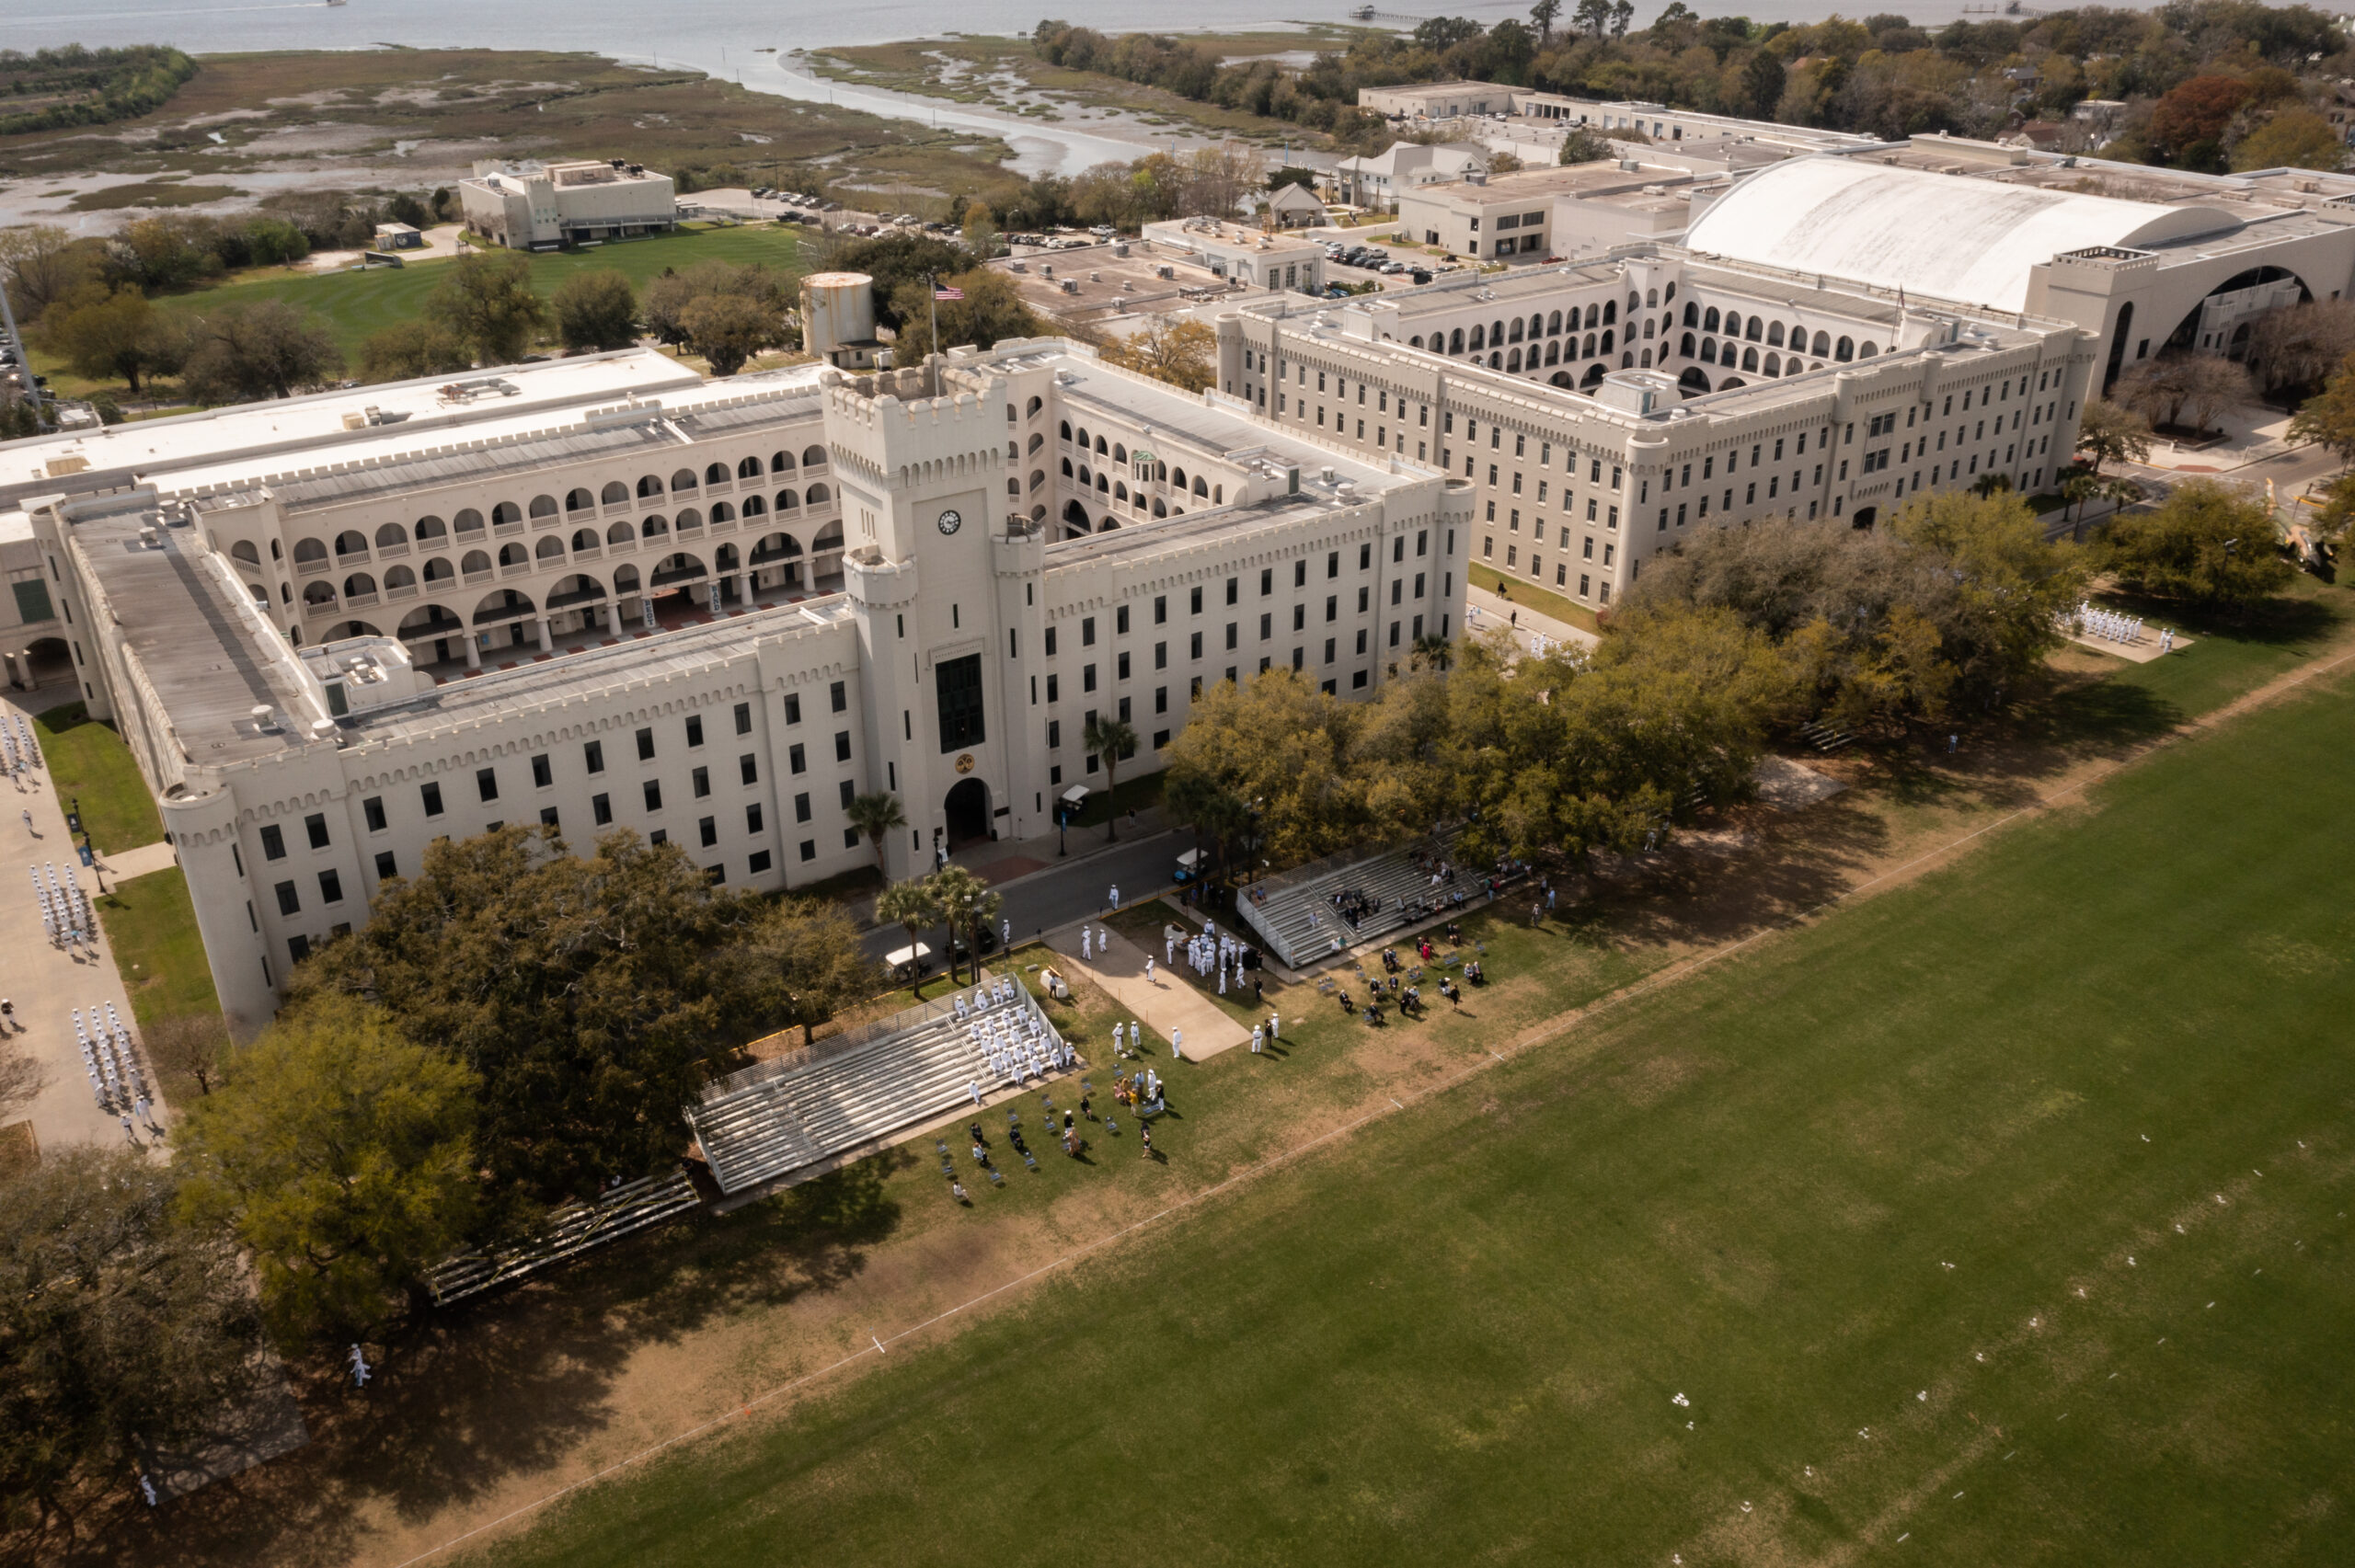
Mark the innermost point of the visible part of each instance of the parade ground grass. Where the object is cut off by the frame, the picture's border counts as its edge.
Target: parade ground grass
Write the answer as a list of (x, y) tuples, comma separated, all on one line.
[(1997, 1218)]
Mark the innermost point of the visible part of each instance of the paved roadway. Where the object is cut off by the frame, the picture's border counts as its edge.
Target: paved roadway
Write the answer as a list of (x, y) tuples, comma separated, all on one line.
[(1068, 889)]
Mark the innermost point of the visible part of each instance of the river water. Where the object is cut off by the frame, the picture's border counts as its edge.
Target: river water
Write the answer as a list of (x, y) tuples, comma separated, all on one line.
[(725, 38)]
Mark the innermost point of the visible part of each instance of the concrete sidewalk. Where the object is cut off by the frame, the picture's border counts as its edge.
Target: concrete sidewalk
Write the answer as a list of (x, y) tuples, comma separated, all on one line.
[(1485, 611), (47, 982), (1164, 1003)]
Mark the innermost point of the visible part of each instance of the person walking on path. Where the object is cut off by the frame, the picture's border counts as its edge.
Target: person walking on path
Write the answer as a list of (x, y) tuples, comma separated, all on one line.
[(1177, 1042), (1116, 897), (1275, 1026), (1257, 1036), (28, 823)]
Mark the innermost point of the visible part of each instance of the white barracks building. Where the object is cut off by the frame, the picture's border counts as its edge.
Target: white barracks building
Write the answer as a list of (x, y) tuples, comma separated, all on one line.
[(603, 593)]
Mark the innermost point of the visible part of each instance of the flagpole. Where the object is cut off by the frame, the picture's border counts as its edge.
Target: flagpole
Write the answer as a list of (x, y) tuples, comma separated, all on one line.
[(932, 289)]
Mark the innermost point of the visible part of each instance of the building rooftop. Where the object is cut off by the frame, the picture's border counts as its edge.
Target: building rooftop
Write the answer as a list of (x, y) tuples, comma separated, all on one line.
[(1969, 240), (329, 427)]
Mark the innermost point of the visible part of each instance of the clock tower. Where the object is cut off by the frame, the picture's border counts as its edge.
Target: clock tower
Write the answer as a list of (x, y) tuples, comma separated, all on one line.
[(945, 589)]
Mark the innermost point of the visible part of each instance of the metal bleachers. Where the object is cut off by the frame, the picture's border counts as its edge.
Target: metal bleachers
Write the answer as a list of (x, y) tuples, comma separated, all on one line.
[(1294, 913), (778, 1117)]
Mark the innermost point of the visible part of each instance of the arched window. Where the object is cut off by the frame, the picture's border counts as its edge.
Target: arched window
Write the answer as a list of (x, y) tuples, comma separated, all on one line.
[(1709, 321), (1554, 352), (1750, 358), (1648, 325), (781, 463), (506, 511), (1609, 312), (1496, 335), (1844, 350), (1867, 352), (625, 581), (1103, 447), (1199, 488), (1691, 313), (1774, 365), (755, 507), (431, 531), (1708, 350), (1627, 362), (1606, 342), (750, 468), (689, 518), (1455, 341), (400, 576), (1590, 346), (816, 496), (720, 513), (1120, 491), (513, 555), (243, 550), (476, 561), (1651, 299), (390, 534), (1646, 362), (1030, 411), (1066, 467), (1495, 359), (1593, 315), (1668, 295), (1753, 330), (615, 493), (359, 582), (439, 570), (1514, 335), (550, 549), (1063, 430), (1415, 341), (1119, 453), (1684, 345), (649, 484), (811, 456), (786, 501), (655, 527), (1514, 363), (1823, 344), (1178, 477), (714, 474), (579, 500), (1554, 325), (1635, 301), (685, 479), (1775, 335), (620, 533), (543, 506), (469, 520), (1103, 484), (1733, 324), (1479, 338)]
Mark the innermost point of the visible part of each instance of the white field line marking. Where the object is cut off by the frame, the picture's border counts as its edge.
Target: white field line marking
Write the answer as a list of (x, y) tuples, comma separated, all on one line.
[(1640, 988)]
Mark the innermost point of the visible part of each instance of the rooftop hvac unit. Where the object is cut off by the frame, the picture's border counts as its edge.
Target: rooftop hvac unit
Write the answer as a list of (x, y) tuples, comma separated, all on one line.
[(1165, 271), (1071, 285)]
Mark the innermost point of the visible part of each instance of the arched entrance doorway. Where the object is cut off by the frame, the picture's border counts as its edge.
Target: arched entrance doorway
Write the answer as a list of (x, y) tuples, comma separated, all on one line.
[(45, 661), (967, 811), (1865, 517)]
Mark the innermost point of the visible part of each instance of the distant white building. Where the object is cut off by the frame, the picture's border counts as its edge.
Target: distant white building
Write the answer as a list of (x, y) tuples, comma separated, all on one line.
[(1379, 181), (1294, 207), (530, 206)]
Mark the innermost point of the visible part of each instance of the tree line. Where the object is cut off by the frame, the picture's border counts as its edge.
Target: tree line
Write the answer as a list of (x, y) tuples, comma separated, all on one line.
[(2210, 83), (59, 88)]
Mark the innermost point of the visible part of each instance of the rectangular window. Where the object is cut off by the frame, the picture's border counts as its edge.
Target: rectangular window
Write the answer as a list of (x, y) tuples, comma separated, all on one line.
[(809, 849), (1197, 602), (796, 759), (708, 830), (1121, 621), (1054, 689), (1088, 677), (486, 782), (431, 795), (956, 683), (653, 788), (848, 789), (1332, 607), (274, 841), (1160, 609), (289, 902), (1161, 656), (752, 818), (743, 719), (1161, 699), (659, 837), (298, 947), (1054, 734), (542, 777), (384, 865), (1087, 631), (645, 746), (842, 737), (600, 809), (372, 811), (792, 708), (748, 769), (1230, 633), (701, 779), (1267, 626), (838, 697), (330, 887), (547, 816), (1234, 587), (801, 808), (315, 826), (695, 729), (760, 863)]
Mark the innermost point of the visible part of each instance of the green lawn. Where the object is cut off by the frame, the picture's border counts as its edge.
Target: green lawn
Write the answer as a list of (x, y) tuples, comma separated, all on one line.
[(1999, 1218), (356, 304), (151, 930), (91, 767)]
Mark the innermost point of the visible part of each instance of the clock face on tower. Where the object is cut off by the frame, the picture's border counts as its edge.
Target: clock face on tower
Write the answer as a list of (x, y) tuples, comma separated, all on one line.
[(950, 522)]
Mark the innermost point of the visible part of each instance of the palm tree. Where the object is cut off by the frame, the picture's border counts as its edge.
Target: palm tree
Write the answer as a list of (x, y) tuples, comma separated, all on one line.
[(1110, 739), (875, 815), (907, 904), (958, 897), (1431, 649)]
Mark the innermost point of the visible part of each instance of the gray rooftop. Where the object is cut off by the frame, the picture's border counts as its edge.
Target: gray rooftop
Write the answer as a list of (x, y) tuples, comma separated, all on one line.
[(425, 470)]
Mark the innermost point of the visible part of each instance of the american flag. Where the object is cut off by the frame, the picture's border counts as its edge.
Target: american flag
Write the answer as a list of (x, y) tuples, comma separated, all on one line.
[(949, 293)]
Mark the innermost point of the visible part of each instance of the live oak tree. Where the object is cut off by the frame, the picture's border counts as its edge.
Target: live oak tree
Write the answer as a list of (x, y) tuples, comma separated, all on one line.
[(1183, 353), (119, 1329), (596, 310), (419, 346), (801, 964), (582, 988), (2109, 433), (103, 335), (2205, 543), (991, 309), (341, 1157), (486, 300), (727, 329), (269, 348), (667, 299)]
